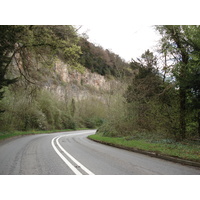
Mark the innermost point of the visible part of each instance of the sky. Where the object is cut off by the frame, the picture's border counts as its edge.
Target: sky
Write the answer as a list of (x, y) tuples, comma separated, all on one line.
[(128, 41)]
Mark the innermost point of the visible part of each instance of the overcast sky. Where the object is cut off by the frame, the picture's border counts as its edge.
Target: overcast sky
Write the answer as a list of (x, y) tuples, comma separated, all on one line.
[(128, 41)]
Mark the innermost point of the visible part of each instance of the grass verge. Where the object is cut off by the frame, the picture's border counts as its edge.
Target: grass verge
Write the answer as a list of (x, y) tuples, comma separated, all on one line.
[(21, 133), (184, 151)]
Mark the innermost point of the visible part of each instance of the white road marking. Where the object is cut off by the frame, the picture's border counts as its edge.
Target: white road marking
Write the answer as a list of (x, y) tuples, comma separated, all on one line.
[(70, 156), (64, 159)]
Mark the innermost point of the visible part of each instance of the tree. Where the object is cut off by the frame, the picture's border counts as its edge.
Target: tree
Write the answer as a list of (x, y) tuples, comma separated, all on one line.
[(145, 81), (145, 86), (174, 37), (72, 107), (7, 52), (193, 72), (102, 61), (20, 43), (151, 101), (183, 43)]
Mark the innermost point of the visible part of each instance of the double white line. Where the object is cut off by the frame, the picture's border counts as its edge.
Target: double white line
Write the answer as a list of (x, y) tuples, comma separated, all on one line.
[(77, 166)]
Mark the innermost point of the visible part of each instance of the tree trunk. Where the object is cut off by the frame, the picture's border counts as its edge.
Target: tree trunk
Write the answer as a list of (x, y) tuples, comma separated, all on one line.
[(182, 95), (176, 34), (199, 123)]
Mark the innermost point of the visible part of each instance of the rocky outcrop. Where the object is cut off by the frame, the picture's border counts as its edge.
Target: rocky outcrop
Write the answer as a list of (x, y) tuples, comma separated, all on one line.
[(86, 78), (67, 82), (72, 83)]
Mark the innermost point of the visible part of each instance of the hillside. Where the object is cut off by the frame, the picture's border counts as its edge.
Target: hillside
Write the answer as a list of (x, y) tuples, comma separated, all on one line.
[(52, 78), (102, 61), (60, 80)]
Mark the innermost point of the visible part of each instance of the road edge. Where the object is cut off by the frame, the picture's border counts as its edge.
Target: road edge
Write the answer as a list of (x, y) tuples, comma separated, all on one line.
[(38, 132), (152, 154)]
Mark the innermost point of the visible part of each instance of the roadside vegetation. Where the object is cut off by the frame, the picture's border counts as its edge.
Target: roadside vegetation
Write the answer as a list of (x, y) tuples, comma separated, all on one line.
[(162, 103), (155, 107), (44, 111), (185, 150), (28, 74), (163, 99)]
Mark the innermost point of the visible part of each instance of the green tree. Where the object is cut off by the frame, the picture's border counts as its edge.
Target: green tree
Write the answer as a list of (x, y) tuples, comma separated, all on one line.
[(145, 81), (145, 86), (193, 71), (73, 107), (8, 40), (23, 44), (102, 61), (175, 41), (183, 44)]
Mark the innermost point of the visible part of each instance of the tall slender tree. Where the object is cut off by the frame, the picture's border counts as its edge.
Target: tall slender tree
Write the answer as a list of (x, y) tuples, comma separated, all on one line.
[(183, 43)]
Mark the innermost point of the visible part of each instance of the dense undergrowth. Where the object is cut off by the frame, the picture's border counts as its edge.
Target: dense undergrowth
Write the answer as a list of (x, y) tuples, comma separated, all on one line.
[(45, 111)]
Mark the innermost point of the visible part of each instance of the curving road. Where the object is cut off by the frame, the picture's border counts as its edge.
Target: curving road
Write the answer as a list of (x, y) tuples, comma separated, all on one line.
[(70, 153)]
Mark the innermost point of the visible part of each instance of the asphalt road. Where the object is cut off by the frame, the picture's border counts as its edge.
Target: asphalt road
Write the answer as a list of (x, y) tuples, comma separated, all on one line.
[(72, 153)]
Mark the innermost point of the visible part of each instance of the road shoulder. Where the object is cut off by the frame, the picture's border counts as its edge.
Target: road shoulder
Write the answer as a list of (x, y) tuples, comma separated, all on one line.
[(152, 154)]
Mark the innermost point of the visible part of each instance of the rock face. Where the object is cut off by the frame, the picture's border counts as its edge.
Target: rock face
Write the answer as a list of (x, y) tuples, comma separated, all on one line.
[(66, 82), (86, 78), (70, 83)]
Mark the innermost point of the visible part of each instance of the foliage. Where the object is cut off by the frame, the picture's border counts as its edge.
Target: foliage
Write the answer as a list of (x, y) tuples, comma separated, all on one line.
[(42, 112), (116, 121), (7, 45), (90, 112), (148, 105), (102, 61), (148, 95), (183, 44), (162, 100), (29, 45)]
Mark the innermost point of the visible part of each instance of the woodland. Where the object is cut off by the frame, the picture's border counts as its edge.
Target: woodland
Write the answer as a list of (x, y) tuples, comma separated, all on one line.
[(158, 96)]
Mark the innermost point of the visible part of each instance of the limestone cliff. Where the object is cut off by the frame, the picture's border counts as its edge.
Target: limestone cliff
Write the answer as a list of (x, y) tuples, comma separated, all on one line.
[(69, 83), (65, 81)]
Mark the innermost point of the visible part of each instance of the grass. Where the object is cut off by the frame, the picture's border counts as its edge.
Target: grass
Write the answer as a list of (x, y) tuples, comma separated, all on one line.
[(20, 133), (186, 151)]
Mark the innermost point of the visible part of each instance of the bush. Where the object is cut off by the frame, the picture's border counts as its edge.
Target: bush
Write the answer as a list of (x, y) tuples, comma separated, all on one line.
[(93, 122), (21, 114), (68, 122), (43, 112), (90, 112)]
